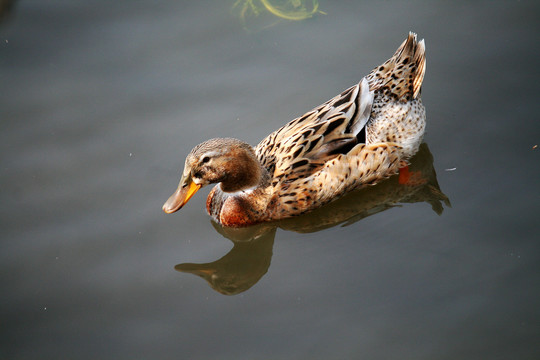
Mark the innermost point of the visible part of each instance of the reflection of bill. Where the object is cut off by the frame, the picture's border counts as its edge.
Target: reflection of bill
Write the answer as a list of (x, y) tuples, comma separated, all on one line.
[(240, 268), (250, 257)]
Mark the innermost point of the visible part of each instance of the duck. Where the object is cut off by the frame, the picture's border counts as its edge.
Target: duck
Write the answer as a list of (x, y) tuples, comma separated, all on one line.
[(359, 138)]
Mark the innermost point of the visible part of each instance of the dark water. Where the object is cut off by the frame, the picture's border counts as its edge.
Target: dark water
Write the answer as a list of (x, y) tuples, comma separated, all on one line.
[(101, 101)]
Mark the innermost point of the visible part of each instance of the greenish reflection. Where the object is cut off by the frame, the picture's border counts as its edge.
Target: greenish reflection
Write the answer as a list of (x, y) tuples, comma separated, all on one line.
[(249, 259), (260, 14)]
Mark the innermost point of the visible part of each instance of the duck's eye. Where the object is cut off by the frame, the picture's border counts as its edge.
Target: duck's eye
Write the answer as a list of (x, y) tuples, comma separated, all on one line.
[(205, 159)]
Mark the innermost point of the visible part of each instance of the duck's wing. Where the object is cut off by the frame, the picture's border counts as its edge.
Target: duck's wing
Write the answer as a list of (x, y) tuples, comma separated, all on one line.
[(305, 144)]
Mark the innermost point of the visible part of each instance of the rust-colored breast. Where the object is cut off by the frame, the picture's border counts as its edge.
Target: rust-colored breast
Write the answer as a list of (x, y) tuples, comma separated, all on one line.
[(232, 210), (237, 212)]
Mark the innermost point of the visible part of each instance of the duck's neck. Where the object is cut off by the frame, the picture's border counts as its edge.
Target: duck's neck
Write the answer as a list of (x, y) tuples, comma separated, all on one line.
[(245, 172), (241, 197)]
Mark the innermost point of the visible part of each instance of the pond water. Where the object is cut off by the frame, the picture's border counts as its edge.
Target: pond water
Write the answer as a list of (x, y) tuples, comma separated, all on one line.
[(101, 102)]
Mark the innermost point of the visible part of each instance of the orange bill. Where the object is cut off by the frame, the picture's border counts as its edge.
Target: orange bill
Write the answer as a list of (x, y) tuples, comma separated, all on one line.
[(186, 189)]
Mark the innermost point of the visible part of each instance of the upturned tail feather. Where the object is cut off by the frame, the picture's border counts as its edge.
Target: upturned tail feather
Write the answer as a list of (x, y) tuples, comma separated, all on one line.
[(402, 75)]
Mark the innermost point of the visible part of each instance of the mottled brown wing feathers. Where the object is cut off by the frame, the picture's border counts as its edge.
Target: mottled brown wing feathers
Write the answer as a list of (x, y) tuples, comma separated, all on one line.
[(302, 146)]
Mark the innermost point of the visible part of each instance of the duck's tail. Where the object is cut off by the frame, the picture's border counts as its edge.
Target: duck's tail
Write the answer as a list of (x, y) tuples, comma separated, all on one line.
[(401, 76)]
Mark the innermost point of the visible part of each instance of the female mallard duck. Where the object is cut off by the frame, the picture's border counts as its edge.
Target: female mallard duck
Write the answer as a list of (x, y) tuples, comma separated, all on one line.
[(360, 137)]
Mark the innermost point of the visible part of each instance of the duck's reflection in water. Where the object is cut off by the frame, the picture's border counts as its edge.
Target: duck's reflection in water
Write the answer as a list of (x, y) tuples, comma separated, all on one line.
[(249, 259), (243, 266)]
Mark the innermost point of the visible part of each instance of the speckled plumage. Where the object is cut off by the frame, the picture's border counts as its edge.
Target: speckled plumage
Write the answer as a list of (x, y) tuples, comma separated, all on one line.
[(359, 137)]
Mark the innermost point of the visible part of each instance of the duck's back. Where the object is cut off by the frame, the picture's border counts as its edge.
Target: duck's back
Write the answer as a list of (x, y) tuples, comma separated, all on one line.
[(359, 137)]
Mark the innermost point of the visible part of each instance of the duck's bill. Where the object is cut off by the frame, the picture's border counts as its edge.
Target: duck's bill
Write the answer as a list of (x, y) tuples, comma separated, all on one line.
[(186, 189)]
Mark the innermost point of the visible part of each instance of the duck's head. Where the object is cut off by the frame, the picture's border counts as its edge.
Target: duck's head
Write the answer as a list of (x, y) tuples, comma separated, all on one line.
[(227, 161)]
